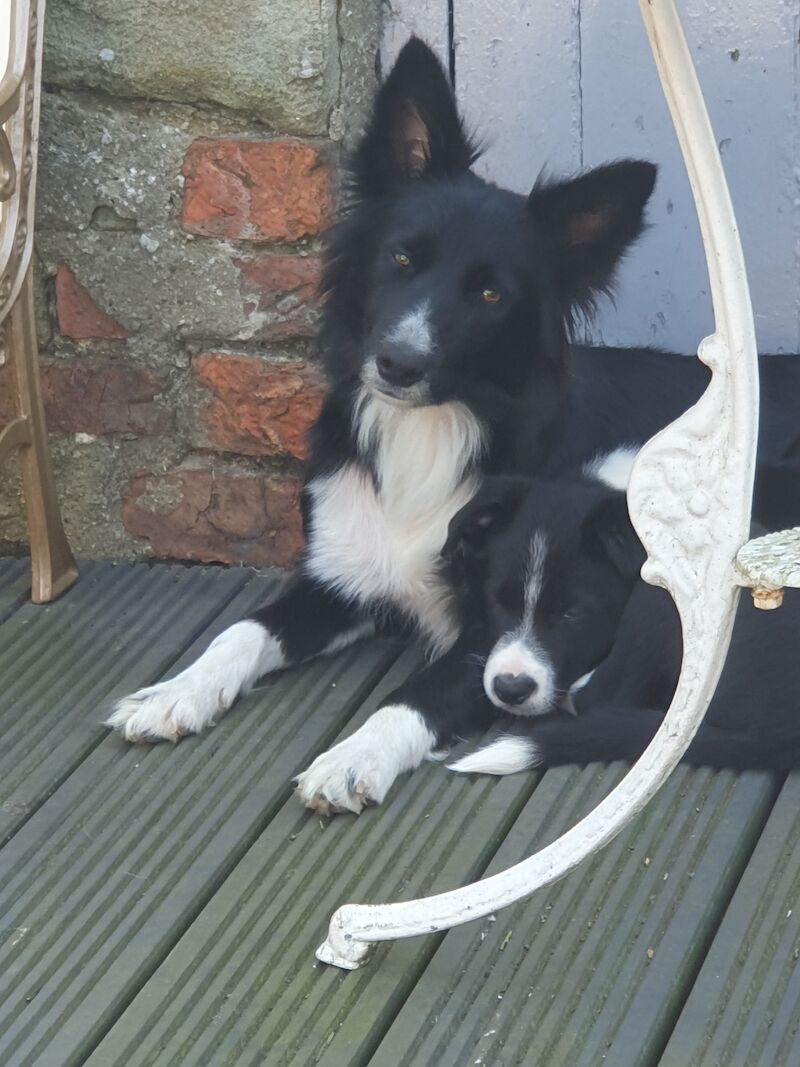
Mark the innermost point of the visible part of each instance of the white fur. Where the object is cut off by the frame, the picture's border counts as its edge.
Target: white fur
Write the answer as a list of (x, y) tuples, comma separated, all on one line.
[(613, 468), (414, 330), (518, 653), (506, 755), (361, 769), (187, 703), (376, 542)]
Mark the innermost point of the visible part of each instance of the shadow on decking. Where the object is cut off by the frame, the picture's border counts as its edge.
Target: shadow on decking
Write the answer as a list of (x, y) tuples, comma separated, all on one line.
[(160, 905)]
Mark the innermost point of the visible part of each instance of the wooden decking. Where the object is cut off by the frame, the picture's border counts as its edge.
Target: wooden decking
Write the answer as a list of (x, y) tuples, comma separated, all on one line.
[(160, 905)]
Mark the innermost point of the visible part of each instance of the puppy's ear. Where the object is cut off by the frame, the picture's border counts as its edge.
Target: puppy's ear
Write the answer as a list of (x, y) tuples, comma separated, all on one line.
[(415, 130), (608, 534), (585, 226), (492, 507)]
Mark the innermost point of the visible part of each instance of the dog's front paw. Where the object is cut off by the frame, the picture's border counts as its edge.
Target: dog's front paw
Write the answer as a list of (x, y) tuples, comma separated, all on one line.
[(166, 712), (360, 770), (346, 778)]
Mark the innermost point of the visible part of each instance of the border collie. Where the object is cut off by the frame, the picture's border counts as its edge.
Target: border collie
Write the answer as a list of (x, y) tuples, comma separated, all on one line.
[(445, 332), (576, 636)]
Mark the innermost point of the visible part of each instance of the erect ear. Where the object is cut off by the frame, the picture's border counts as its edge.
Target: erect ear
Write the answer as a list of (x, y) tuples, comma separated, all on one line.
[(608, 533), (492, 507), (586, 224), (415, 130)]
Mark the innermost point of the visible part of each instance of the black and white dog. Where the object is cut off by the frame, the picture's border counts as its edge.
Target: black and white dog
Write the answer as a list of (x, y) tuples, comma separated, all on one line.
[(577, 637), (448, 307)]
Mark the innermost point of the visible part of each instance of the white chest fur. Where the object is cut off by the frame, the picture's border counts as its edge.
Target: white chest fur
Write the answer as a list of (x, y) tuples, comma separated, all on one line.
[(382, 543)]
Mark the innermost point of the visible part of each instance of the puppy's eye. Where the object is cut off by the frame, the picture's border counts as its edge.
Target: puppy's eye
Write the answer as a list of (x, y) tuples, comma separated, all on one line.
[(490, 296), (401, 259)]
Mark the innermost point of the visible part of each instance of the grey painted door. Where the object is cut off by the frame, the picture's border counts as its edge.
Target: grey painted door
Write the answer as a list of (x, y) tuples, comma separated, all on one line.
[(565, 84)]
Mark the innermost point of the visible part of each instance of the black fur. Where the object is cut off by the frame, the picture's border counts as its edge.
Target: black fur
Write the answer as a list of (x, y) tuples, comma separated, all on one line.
[(596, 614)]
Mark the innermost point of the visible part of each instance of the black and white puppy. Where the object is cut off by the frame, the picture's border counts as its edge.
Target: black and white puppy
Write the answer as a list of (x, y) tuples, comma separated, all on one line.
[(578, 637), (444, 336)]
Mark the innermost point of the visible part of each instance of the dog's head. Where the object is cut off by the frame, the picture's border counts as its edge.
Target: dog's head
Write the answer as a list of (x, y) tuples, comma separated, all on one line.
[(439, 282), (555, 563)]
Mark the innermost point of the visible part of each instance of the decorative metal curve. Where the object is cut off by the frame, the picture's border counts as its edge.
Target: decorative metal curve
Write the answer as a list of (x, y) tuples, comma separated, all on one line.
[(689, 497), (19, 117)]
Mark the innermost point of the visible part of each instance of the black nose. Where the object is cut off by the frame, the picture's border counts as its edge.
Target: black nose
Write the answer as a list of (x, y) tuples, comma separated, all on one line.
[(513, 688), (399, 365)]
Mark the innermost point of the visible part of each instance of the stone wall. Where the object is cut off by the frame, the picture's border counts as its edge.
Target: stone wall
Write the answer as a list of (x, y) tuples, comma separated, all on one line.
[(189, 161)]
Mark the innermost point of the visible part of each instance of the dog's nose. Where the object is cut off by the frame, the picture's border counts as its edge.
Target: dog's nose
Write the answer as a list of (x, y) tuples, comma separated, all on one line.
[(513, 688), (399, 365)]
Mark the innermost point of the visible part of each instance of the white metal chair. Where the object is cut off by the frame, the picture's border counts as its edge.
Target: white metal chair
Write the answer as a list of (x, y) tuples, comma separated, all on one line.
[(690, 500)]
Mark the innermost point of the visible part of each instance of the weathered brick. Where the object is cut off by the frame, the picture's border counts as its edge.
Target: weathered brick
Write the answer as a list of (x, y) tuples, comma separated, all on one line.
[(212, 516), (258, 408), (255, 190), (104, 398), (78, 315), (280, 295)]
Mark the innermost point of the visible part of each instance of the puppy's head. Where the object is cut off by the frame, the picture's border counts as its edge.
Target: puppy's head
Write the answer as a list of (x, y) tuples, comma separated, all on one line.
[(555, 563)]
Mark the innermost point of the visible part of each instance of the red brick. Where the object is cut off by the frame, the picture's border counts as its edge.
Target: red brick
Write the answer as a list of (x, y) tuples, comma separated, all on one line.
[(216, 517), (104, 398), (258, 408), (255, 190), (99, 399), (78, 315), (280, 295)]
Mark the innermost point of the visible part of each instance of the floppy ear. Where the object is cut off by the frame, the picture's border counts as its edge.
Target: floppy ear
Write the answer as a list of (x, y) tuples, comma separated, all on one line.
[(415, 130), (492, 507), (608, 534), (586, 225)]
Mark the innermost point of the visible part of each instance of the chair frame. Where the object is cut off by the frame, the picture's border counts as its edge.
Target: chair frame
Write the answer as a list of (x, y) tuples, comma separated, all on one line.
[(53, 568)]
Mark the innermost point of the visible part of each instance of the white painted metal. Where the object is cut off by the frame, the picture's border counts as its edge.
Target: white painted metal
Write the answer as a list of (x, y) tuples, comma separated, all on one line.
[(427, 19), (517, 79), (768, 565), (690, 498)]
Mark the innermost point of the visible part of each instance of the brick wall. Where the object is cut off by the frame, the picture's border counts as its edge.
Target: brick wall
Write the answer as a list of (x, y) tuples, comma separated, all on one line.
[(188, 164)]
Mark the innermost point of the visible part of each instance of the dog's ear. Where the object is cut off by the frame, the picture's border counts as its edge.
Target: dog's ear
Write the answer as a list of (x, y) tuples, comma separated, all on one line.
[(586, 225), (608, 534), (492, 507), (415, 130)]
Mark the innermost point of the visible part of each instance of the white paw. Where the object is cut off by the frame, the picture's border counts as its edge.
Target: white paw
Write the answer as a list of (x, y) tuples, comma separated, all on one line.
[(187, 703), (167, 711), (360, 770)]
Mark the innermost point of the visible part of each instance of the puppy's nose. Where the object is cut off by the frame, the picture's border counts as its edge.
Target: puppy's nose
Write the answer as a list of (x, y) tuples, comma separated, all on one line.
[(400, 365), (513, 688)]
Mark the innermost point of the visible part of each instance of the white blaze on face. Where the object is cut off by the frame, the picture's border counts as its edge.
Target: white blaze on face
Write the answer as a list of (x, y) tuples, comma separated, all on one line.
[(518, 652), (414, 330)]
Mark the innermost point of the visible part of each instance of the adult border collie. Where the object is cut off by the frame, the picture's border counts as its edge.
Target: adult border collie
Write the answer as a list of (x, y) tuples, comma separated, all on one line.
[(444, 335), (575, 635)]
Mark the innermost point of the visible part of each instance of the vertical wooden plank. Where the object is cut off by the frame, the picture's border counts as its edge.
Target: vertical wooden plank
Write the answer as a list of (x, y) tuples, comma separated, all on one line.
[(427, 19), (517, 80), (745, 56)]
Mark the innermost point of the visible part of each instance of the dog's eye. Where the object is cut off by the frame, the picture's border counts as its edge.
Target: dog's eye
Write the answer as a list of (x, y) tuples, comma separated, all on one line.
[(490, 296), (401, 259)]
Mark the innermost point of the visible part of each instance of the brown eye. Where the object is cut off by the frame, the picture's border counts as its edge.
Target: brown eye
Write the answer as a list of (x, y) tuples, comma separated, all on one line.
[(491, 296), (402, 260)]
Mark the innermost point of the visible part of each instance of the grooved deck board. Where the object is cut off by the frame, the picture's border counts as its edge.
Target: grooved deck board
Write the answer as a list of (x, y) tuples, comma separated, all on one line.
[(247, 963), (15, 584), (161, 905), (565, 978), (744, 1008), (110, 871), (119, 627)]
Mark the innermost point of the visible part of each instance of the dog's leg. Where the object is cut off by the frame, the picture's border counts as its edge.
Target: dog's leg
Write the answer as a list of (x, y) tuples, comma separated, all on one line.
[(305, 620), (433, 709)]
